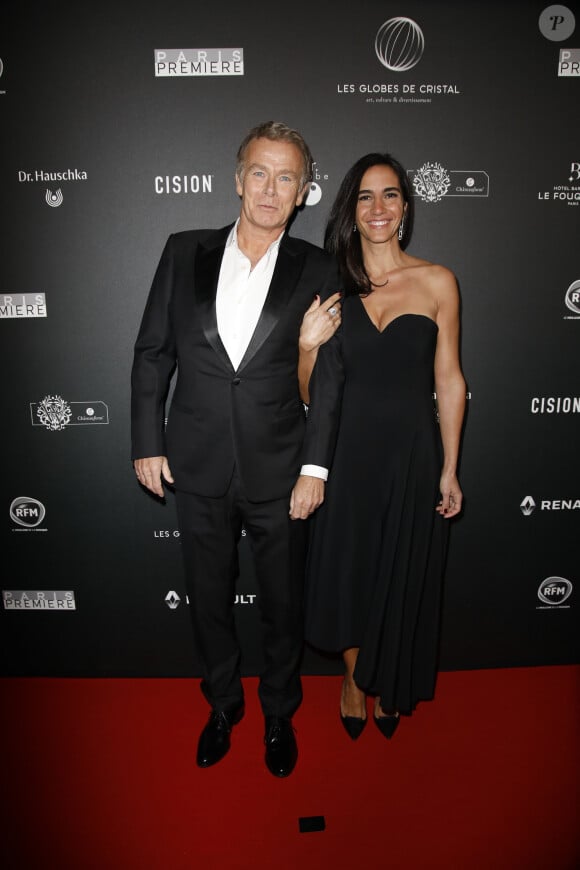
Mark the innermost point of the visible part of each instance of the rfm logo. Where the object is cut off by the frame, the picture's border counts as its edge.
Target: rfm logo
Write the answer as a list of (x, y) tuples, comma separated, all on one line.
[(28, 512), (554, 590)]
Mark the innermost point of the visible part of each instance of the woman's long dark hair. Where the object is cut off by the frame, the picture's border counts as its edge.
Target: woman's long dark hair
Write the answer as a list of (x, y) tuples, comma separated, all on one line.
[(341, 240)]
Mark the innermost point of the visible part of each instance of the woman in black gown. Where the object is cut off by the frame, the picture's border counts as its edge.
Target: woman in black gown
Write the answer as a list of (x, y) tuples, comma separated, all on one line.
[(377, 553)]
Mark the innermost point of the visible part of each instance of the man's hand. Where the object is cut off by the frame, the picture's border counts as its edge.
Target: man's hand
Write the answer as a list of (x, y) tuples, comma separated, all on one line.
[(151, 472), (307, 495), (320, 322)]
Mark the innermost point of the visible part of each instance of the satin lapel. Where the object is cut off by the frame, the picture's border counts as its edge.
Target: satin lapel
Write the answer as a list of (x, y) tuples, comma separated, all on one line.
[(207, 269), (283, 284)]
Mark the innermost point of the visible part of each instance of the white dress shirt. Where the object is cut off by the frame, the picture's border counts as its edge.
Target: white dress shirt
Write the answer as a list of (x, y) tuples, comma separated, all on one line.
[(241, 293)]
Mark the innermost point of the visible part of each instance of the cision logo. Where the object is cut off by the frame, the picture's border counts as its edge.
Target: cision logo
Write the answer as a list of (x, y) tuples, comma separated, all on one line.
[(553, 592), (567, 191), (168, 184), (27, 513), (555, 405), (572, 300), (18, 305), (46, 599), (55, 414), (528, 505), (431, 182), (180, 62)]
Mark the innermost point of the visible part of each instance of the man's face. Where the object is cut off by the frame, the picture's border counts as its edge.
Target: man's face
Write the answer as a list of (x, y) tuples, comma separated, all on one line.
[(270, 184)]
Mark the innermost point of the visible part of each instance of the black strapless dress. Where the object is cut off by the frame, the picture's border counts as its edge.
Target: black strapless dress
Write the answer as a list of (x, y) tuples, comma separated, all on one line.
[(377, 551)]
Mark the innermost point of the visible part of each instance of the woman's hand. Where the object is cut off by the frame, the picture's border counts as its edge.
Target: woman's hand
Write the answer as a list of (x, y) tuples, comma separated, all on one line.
[(451, 496), (320, 322)]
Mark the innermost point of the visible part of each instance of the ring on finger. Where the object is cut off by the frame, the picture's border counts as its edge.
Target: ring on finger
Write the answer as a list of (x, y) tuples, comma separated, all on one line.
[(332, 311)]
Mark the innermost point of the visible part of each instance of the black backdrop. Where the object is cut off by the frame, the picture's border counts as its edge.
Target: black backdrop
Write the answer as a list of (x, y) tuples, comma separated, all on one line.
[(103, 159)]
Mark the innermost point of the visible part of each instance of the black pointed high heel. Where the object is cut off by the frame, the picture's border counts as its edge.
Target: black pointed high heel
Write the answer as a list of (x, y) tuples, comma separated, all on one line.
[(387, 725), (353, 725)]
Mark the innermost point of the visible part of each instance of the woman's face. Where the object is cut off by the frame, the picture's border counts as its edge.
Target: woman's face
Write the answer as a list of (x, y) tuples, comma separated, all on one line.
[(380, 205)]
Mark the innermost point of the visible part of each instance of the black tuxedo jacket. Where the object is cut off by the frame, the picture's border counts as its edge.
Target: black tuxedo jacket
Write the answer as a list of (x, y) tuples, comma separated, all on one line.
[(252, 416)]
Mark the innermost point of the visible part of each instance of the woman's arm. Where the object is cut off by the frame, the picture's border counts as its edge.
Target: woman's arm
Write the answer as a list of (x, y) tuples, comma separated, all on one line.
[(450, 389)]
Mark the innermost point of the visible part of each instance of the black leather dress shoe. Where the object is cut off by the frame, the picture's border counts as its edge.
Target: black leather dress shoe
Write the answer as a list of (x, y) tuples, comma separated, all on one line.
[(281, 749), (214, 740)]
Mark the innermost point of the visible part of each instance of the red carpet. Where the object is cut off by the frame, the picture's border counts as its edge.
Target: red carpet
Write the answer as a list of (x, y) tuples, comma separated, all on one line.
[(101, 774)]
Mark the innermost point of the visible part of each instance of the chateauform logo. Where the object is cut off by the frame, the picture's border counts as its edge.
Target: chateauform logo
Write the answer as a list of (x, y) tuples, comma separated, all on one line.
[(55, 414), (432, 181)]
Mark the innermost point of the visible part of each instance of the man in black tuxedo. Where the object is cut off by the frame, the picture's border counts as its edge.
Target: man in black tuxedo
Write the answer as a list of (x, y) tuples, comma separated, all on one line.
[(226, 308)]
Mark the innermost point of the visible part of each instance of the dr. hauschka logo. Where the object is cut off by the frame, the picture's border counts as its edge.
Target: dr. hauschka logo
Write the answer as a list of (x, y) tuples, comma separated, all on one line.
[(179, 62), (565, 193), (40, 175), (183, 184), (17, 305), (54, 198), (527, 506), (399, 44), (556, 23), (172, 600), (55, 414), (554, 591), (431, 182), (552, 505), (46, 599), (572, 300), (555, 405), (27, 512)]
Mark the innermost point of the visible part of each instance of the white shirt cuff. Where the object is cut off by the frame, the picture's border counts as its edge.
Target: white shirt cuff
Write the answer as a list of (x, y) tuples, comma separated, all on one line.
[(315, 471)]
